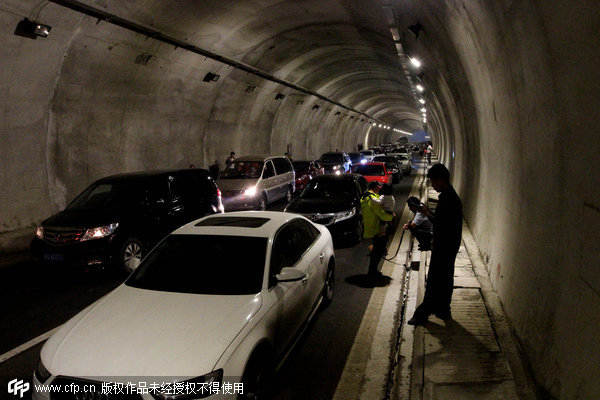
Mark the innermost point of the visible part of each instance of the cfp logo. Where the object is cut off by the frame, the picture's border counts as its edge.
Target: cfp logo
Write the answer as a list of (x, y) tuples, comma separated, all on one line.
[(18, 387)]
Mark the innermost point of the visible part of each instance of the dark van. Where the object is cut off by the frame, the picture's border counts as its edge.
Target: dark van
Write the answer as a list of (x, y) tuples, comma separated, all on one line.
[(117, 219)]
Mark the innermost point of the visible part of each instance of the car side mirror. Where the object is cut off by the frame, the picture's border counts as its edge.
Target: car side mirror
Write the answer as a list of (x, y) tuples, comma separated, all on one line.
[(288, 274)]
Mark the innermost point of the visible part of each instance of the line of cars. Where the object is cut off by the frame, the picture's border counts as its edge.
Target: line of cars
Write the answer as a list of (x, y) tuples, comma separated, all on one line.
[(220, 297)]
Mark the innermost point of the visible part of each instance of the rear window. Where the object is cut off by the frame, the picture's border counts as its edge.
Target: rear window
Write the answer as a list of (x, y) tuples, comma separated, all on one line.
[(369, 170), (332, 157), (328, 188), (242, 222), (204, 264)]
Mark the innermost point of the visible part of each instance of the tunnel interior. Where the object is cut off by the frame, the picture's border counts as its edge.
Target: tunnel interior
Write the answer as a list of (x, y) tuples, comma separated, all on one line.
[(509, 94)]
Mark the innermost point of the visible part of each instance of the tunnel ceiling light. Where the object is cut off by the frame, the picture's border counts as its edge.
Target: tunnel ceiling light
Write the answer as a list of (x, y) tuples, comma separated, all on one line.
[(279, 96), (422, 101), (380, 125), (32, 29), (423, 109), (420, 88), (210, 77), (415, 62)]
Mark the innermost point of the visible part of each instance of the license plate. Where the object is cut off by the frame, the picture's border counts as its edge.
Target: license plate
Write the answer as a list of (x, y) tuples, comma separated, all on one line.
[(53, 257)]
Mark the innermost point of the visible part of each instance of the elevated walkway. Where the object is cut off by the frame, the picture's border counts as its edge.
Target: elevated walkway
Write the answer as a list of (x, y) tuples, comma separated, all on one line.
[(471, 356)]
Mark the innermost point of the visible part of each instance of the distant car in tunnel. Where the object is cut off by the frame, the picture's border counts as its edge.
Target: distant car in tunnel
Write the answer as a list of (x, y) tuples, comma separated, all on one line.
[(392, 164), (117, 219), (253, 182), (333, 201), (219, 301), (374, 171), (357, 158), (335, 162), (306, 170)]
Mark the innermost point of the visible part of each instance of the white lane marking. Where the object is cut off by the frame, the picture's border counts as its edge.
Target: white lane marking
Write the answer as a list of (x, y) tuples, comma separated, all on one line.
[(27, 345)]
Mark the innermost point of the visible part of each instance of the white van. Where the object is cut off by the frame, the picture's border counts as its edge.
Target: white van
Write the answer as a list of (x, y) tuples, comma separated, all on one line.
[(253, 182)]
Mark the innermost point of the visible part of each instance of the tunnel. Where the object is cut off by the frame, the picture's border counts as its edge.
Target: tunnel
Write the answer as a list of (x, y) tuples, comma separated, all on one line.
[(504, 89)]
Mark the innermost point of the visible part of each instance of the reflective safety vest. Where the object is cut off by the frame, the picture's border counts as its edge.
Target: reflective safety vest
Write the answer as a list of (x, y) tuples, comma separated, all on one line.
[(372, 214)]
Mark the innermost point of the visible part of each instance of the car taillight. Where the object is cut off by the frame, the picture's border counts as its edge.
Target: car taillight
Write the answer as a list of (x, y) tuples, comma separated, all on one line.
[(218, 192)]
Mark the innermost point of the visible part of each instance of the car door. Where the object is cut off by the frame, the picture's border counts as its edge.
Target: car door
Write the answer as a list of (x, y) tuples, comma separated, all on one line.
[(270, 181), (312, 262), (289, 296)]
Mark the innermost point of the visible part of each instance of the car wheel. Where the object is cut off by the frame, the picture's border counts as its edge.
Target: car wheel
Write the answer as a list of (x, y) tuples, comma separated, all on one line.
[(329, 285), (288, 195), (262, 204), (255, 379), (131, 254)]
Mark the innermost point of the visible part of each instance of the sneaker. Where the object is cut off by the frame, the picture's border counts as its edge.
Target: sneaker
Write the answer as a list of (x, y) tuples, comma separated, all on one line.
[(417, 321)]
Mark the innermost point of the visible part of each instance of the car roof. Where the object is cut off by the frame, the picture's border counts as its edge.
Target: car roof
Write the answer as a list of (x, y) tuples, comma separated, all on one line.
[(338, 177), (146, 175), (259, 157), (243, 223)]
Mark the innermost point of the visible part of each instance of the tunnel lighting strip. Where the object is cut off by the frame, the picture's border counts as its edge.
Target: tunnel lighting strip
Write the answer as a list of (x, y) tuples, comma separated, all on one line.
[(132, 26)]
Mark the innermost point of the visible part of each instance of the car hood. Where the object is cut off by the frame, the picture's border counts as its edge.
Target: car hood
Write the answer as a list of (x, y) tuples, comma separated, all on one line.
[(138, 332), (84, 218), (328, 205), (236, 184)]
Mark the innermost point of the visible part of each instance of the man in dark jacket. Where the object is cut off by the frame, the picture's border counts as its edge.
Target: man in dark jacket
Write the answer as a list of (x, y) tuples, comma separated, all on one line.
[(447, 230)]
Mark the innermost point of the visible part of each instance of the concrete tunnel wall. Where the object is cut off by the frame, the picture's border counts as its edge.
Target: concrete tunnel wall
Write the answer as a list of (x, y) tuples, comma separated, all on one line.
[(511, 97)]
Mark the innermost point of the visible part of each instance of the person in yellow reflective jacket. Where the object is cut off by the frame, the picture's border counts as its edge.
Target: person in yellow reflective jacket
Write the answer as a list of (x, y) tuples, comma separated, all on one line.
[(373, 214)]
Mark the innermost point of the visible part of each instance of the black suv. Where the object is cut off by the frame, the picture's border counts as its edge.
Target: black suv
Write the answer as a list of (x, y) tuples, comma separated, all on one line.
[(117, 219)]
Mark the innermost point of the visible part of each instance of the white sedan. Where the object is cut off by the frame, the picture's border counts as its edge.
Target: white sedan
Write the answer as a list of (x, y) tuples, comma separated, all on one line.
[(212, 310)]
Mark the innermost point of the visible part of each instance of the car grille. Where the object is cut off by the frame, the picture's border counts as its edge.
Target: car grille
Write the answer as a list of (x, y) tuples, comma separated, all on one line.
[(62, 236), (323, 219), (83, 392)]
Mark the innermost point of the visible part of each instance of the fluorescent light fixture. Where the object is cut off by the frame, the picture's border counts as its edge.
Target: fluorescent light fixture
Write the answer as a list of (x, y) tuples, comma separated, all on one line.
[(423, 109), (420, 88), (415, 62), (32, 29), (422, 101), (210, 77)]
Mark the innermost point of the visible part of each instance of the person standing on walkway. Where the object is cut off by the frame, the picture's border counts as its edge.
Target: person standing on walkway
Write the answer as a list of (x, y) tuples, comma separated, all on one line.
[(429, 150), (230, 160), (373, 214), (447, 231), (420, 226)]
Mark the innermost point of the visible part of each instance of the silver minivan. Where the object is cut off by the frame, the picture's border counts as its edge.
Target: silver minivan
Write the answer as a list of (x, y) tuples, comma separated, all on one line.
[(252, 182)]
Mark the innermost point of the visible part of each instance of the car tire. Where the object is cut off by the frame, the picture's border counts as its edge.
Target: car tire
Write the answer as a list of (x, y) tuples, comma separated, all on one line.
[(255, 378), (262, 203), (130, 255), (358, 230), (328, 288)]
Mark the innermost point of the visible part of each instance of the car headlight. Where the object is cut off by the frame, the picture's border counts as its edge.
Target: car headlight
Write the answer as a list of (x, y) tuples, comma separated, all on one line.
[(39, 232), (250, 192), (99, 232), (344, 215), (41, 373), (335, 167), (197, 388)]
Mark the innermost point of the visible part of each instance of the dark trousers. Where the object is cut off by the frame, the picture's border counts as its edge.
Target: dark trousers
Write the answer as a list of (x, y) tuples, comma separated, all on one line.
[(422, 236), (440, 283), (379, 243)]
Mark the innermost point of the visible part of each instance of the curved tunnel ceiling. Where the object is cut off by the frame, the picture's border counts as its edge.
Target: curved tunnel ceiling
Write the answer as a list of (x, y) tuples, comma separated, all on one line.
[(311, 44)]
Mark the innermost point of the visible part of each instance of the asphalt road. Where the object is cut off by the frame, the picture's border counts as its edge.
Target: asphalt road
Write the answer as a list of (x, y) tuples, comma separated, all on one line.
[(35, 300)]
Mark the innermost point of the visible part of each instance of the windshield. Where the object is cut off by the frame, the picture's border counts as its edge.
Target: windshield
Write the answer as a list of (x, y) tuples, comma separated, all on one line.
[(369, 170), (243, 170), (327, 188), (107, 196), (204, 264), (301, 166), (332, 157)]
